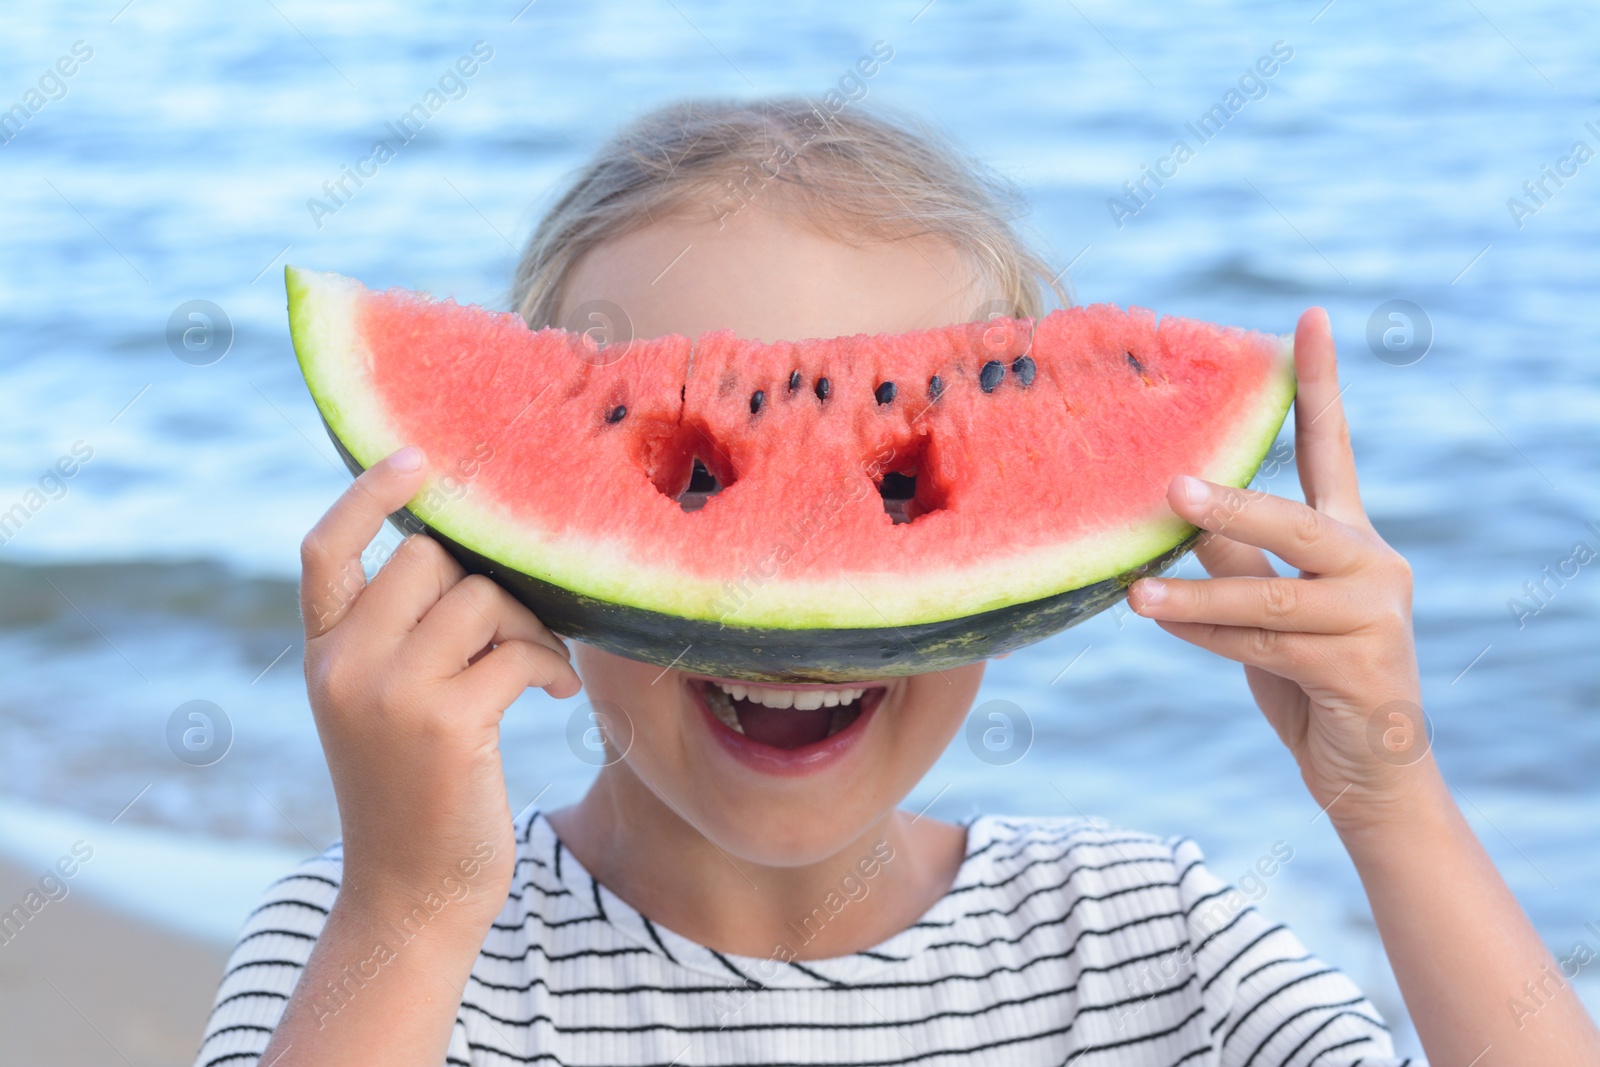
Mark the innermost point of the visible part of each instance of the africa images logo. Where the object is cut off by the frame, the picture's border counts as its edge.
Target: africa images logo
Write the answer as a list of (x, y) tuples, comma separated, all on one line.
[(1252, 85), (452, 85)]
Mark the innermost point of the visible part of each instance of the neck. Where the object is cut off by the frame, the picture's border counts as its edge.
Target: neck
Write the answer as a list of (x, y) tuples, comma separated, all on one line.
[(640, 847)]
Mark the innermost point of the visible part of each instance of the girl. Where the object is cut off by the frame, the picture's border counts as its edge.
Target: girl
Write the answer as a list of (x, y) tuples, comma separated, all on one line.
[(738, 886)]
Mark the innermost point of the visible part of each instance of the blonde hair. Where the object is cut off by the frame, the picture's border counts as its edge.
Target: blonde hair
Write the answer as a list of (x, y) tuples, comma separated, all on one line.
[(856, 173)]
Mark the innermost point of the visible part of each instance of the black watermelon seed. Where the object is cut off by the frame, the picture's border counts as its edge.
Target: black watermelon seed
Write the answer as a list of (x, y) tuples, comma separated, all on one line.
[(794, 381), (1138, 368), (990, 376), (885, 393), (617, 414), (757, 398), (823, 388), (935, 387), (1024, 369)]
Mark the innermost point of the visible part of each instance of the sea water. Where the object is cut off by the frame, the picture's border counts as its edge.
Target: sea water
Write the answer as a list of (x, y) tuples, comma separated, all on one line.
[(1427, 155)]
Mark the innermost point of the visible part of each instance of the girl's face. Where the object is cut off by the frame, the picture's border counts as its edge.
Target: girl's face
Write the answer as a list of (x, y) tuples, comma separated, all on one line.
[(764, 776)]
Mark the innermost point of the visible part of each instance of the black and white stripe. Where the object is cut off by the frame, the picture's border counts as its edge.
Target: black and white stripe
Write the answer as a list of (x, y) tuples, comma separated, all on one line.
[(1060, 943)]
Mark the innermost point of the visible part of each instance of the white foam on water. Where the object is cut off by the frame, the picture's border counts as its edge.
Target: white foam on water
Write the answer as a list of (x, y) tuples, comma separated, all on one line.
[(197, 885)]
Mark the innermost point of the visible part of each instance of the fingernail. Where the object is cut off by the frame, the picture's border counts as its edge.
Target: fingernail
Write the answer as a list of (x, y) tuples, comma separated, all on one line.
[(1194, 490), (1152, 590), (408, 458)]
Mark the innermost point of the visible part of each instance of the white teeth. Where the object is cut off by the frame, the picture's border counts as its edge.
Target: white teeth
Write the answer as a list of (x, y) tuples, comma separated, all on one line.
[(722, 707), (772, 698), (803, 699)]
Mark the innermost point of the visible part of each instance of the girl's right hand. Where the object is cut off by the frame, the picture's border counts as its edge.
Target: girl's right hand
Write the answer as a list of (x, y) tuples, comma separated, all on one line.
[(408, 678)]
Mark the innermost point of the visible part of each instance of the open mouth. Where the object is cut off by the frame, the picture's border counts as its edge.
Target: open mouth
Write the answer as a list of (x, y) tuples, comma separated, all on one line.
[(788, 717)]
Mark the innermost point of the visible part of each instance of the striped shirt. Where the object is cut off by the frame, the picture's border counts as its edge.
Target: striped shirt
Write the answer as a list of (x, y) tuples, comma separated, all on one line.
[(1061, 942)]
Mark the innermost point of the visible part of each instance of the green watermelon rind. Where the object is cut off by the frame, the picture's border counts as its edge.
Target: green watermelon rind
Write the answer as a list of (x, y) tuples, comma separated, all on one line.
[(323, 327)]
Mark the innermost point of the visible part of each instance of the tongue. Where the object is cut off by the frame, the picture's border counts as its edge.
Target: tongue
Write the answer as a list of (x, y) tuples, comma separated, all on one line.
[(782, 727)]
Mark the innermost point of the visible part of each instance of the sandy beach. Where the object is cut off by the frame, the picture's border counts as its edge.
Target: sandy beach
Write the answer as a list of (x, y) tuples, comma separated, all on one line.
[(84, 985)]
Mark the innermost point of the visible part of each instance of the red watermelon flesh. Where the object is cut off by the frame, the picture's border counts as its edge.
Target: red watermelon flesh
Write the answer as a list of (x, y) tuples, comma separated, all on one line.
[(1040, 458)]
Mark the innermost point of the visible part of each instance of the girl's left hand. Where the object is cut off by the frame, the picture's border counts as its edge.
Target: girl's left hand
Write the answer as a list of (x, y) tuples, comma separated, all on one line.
[(1329, 655)]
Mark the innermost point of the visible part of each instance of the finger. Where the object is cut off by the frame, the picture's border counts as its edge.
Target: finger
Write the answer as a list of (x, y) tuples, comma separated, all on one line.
[(472, 615), (1299, 535), (1287, 655), (1223, 557), (1322, 437), (413, 579), (512, 668), (1295, 605), (330, 556)]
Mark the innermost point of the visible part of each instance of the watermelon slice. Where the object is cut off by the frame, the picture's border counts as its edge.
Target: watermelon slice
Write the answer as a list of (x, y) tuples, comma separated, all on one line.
[(818, 510)]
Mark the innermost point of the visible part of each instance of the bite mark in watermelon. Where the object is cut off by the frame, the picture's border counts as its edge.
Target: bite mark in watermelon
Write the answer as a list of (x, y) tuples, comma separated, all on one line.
[(882, 505)]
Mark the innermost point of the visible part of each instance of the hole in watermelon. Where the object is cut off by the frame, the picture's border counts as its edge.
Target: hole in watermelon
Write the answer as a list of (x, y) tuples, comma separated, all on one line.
[(702, 486), (899, 491), (683, 462), (909, 492)]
